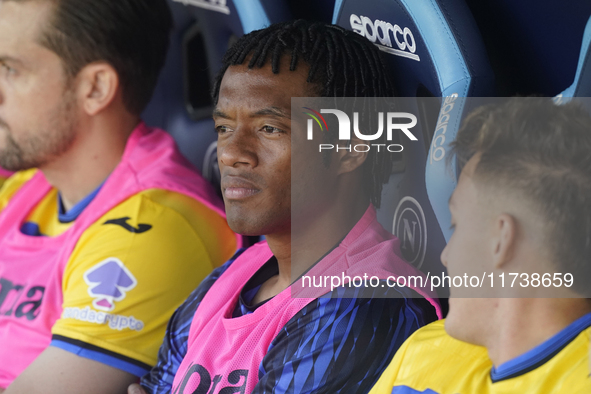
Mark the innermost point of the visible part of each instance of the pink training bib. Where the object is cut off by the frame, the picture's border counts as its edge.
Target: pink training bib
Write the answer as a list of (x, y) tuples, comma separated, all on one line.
[(224, 353), (4, 173), (31, 267)]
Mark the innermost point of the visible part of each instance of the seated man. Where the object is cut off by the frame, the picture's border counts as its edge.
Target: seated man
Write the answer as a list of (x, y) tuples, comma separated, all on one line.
[(243, 330), (105, 240), (521, 206)]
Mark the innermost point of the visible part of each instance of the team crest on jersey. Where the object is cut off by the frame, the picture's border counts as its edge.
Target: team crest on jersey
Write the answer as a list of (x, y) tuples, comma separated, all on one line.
[(108, 281)]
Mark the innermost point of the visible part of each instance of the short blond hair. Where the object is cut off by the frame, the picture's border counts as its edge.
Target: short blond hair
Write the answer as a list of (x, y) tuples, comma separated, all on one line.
[(542, 152)]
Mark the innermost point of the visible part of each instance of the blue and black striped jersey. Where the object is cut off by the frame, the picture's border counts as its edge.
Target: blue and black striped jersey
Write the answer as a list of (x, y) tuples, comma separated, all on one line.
[(337, 344)]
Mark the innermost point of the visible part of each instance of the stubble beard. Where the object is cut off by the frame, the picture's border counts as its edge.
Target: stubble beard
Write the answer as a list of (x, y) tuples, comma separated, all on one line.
[(41, 147)]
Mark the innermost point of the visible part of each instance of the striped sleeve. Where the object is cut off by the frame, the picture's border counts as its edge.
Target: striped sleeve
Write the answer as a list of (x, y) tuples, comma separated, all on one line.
[(173, 349), (340, 344)]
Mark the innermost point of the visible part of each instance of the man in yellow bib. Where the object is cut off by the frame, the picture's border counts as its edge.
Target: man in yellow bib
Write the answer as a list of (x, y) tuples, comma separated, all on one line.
[(521, 205), (104, 227)]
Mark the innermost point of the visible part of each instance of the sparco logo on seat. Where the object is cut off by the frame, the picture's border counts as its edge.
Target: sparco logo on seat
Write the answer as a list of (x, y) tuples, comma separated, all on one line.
[(387, 37), (212, 5)]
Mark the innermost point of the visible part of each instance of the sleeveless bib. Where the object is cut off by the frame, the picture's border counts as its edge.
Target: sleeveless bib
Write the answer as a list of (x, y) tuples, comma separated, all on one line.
[(4, 173), (31, 267), (224, 353)]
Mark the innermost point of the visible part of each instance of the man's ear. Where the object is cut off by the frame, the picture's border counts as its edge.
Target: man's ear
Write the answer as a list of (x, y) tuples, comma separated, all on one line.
[(350, 159), (504, 239), (98, 84)]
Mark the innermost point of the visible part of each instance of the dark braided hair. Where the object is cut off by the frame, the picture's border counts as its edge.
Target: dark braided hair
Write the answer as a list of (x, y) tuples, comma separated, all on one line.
[(342, 64)]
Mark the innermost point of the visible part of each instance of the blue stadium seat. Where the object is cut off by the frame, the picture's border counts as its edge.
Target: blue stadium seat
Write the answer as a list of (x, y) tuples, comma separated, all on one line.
[(581, 87), (313, 10), (434, 49), (533, 45), (203, 31)]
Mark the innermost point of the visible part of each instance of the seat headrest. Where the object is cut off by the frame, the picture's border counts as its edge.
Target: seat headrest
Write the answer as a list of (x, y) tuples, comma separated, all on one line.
[(431, 43), (581, 86), (203, 31), (433, 48)]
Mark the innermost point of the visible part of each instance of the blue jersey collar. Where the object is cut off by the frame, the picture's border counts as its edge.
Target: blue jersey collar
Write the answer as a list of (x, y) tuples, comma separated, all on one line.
[(76, 210), (542, 353)]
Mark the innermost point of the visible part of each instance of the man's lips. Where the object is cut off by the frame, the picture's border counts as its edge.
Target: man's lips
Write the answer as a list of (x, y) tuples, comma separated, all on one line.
[(237, 188), (238, 193)]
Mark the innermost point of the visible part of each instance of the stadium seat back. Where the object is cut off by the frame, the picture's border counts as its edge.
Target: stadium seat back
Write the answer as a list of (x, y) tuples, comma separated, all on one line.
[(581, 87), (433, 49), (203, 31), (533, 45)]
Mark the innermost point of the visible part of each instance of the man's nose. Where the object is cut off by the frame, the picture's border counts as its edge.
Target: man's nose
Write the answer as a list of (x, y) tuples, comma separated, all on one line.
[(238, 147), (443, 256)]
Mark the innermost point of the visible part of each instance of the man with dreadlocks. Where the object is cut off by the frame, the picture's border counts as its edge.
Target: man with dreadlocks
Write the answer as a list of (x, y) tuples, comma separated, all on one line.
[(242, 330)]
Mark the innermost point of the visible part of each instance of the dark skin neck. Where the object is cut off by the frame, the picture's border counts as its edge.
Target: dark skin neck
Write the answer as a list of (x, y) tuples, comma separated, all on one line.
[(309, 246)]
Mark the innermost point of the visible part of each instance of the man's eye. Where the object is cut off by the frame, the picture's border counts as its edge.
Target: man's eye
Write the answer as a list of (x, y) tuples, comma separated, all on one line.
[(6, 69), (272, 130), (221, 129)]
